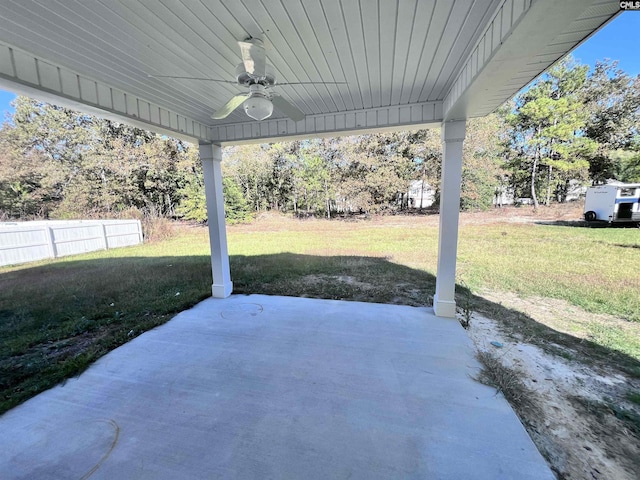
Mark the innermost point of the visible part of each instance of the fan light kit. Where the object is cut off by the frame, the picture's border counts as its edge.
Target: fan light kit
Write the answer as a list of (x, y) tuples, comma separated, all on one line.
[(258, 106), (255, 74)]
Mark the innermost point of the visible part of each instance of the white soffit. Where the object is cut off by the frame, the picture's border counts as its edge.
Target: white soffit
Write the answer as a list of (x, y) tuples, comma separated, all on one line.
[(407, 62), (522, 41)]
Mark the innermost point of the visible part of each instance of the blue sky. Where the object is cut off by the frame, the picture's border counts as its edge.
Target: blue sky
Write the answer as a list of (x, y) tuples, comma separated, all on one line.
[(615, 41)]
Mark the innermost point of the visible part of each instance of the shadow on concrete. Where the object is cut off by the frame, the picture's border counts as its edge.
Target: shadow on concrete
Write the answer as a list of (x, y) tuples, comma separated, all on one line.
[(57, 318)]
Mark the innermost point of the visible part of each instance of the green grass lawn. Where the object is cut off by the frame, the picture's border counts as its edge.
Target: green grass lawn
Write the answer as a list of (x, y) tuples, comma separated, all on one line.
[(595, 268), (56, 317)]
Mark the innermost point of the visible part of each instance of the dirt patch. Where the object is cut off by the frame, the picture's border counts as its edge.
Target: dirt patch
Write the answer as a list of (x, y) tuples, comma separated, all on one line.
[(343, 279), (582, 431), (359, 289), (570, 213)]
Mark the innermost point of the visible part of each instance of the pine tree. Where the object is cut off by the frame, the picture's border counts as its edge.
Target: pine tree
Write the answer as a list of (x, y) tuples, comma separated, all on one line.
[(546, 132)]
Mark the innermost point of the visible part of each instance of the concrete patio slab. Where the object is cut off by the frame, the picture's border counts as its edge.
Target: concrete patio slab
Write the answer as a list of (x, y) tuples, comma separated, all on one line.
[(260, 387)]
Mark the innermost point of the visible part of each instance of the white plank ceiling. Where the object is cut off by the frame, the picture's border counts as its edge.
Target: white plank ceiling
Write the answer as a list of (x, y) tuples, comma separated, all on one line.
[(391, 54)]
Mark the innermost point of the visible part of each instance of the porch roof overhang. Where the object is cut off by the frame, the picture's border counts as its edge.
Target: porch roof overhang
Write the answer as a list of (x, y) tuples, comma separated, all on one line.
[(407, 64)]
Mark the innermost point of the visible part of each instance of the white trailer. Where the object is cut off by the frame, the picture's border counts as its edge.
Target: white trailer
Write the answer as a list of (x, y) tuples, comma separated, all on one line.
[(613, 203)]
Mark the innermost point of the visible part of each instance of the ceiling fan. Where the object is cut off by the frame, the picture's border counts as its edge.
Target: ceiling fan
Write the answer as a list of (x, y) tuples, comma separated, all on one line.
[(255, 74)]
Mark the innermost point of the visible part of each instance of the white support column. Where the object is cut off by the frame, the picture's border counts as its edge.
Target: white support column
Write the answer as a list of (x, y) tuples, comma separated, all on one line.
[(211, 158), (444, 303)]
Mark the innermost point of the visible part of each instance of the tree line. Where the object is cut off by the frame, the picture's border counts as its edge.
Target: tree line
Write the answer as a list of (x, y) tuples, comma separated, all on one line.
[(572, 126)]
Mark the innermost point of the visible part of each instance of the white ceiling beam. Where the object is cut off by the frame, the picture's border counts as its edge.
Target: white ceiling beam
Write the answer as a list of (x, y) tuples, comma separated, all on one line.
[(417, 115), (26, 74)]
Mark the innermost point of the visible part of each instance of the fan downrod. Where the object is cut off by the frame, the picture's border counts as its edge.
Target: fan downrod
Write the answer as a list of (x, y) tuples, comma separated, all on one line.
[(245, 79)]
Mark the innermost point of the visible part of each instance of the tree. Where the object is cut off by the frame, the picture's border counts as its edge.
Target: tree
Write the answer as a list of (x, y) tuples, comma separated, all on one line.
[(376, 169), (63, 164), (546, 130), (284, 165), (613, 101), (627, 164), (25, 190), (426, 151), (193, 205), (251, 167), (482, 170), (52, 142), (235, 206), (317, 174)]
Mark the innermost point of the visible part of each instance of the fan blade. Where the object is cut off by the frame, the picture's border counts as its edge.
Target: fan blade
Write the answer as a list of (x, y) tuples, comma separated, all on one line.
[(229, 107), (311, 83), (285, 107), (193, 78), (254, 58)]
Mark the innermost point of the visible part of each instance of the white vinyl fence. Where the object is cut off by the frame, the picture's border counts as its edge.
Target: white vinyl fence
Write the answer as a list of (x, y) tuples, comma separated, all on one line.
[(22, 242)]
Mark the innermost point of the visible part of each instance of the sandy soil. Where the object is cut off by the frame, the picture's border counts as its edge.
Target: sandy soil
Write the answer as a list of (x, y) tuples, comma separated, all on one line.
[(574, 432)]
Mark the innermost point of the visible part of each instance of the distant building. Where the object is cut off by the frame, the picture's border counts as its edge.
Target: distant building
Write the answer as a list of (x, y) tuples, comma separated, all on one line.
[(421, 194), (503, 195), (575, 190)]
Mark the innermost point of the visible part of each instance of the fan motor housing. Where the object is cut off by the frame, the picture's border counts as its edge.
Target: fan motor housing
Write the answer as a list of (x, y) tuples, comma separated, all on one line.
[(243, 78)]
